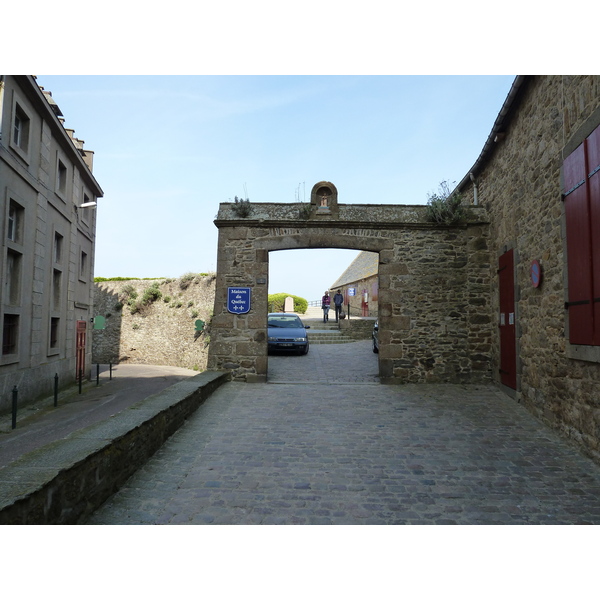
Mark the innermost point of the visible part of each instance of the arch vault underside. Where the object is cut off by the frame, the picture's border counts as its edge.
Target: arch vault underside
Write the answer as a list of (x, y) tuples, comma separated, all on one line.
[(434, 284)]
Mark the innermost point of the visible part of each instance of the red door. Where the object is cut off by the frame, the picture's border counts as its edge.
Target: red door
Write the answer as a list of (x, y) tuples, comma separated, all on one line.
[(80, 348), (508, 339)]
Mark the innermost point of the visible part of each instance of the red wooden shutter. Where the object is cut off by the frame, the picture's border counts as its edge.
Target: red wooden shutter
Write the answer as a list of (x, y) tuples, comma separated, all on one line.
[(579, 259), (508, 339), (80, 348), (593, 167)]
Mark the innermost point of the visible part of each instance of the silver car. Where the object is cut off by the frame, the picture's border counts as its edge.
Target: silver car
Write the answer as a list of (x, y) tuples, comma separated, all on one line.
[(286, 332)]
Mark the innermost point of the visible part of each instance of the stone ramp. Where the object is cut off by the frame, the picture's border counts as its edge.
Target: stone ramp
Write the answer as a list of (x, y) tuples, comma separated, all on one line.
[(65, 480)]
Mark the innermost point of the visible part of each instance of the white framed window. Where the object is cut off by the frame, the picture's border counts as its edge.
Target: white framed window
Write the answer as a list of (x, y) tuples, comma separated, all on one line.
[(58, 248), (61, 178), (83, 266), (86, 214), (13, 278), (14, 222), (56, 289), (21, 126)]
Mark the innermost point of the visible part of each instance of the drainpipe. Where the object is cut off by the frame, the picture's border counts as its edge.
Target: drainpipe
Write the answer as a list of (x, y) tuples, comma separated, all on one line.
[(475, 201), (1, 102)]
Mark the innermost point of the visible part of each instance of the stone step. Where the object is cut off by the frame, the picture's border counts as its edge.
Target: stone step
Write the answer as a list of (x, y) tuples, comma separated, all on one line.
[(340, 341), (328, 337), (313, 312)]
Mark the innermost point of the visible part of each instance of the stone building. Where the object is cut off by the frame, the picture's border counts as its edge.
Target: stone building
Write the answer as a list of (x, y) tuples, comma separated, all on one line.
[(47, 232), (538, 177), (359, 284)]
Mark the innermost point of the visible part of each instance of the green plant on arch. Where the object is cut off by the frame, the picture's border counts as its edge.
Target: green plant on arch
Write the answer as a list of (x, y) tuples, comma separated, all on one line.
[(445, 207)]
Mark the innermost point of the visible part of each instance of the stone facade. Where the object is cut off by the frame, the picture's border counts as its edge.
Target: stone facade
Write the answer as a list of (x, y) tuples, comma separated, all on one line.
[(518, 181), (48, 243), (434, 312), (363, 278), (161, 333)]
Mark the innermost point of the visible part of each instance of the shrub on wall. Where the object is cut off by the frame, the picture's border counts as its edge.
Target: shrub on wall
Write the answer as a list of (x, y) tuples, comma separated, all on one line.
[(277, 302), (444, 207)]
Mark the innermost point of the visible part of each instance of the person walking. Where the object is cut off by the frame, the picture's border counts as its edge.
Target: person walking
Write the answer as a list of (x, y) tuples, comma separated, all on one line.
[(338, 301), (325, 304)]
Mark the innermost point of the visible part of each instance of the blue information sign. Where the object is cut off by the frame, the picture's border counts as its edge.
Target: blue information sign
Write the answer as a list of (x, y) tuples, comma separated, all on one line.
[(351, 291), (238, 300)]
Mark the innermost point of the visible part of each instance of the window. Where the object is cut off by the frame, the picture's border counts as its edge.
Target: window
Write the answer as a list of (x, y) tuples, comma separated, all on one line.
[(83, 266), (61, 178), (12, 224), (13, 278), (86, 209), (10, 334), (14, 230), (58, 245), (581, 174), (21, 129), (56, 289), (54, 326)]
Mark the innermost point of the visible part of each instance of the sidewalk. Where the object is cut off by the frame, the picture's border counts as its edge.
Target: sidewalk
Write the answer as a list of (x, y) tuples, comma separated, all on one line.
[(42, 423)]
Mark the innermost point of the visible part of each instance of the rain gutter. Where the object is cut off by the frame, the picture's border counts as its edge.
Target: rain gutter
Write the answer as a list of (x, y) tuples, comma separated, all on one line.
[(496, 135)]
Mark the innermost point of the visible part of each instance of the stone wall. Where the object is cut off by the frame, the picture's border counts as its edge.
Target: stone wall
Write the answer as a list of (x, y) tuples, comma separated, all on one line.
[(520, 186), (161, 333)]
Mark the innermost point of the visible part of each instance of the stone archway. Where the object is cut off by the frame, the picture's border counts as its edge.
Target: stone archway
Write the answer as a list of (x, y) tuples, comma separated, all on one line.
[(434, 294)]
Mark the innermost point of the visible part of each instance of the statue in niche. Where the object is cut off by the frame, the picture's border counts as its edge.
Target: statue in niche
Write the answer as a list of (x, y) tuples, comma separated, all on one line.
[(324, 200)]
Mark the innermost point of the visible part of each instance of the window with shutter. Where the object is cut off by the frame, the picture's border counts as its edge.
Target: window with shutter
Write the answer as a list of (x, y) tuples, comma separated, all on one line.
[(581, 175)]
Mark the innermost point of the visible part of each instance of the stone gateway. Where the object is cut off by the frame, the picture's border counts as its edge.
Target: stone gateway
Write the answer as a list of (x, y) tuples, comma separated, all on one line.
[(434, 306)]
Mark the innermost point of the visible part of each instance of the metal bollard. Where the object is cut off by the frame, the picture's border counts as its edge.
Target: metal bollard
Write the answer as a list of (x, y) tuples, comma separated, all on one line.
[(56, 389), (80, 379), (110, 371), (15, 396), (97, 374)]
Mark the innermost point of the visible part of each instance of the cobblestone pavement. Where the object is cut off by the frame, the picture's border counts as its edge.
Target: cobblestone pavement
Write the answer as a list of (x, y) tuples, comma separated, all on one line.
[(327, 452), (327, 363)]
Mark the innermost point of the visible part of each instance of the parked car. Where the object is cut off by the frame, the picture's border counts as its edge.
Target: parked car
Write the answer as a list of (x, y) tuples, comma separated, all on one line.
[(286, 332), (376, 337)]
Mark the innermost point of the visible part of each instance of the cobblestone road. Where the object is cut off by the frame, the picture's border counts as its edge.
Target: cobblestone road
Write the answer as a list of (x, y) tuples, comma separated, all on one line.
[(327, 363), (326, 452)]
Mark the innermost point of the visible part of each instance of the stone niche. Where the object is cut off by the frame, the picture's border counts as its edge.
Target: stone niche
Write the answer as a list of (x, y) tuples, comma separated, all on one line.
[(324, 200)]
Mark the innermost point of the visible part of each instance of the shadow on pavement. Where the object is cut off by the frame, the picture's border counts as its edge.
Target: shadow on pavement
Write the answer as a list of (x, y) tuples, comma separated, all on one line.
[(42, 423)]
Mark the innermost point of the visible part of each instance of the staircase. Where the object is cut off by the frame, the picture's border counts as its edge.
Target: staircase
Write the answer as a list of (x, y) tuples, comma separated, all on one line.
[(325, 333), (330, 332), (313, 312)]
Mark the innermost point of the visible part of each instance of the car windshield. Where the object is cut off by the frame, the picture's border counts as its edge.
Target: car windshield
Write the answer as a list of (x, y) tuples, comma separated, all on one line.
[(290, 321)]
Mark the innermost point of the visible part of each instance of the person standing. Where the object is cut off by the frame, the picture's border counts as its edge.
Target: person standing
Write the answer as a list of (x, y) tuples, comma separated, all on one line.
[(325, 304), (338, 301)]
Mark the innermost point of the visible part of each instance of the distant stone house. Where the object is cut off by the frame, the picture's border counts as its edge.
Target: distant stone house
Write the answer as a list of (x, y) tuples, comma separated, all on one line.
[(47, 238), (359, 284), (538, 176)]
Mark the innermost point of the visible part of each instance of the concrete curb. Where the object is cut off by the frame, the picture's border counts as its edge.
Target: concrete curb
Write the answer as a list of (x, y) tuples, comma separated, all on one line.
[(67, 480)]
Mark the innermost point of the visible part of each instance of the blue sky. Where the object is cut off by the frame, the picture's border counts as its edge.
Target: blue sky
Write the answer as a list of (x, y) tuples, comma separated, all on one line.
[(169, 149)]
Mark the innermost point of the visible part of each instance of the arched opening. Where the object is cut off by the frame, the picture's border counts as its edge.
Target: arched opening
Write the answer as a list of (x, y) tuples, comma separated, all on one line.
[(339, 350)]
